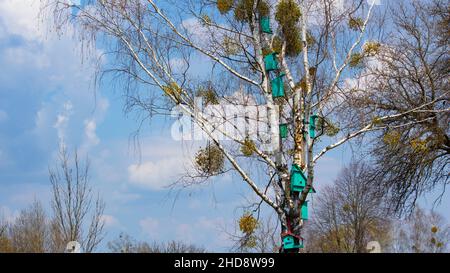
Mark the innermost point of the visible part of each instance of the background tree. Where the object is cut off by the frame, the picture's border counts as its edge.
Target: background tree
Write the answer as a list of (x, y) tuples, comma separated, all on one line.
[(29, 232), (126, 244), (407, 83), (5, 243), (76, 210), (300, 66), (422, 232), (349, 214)]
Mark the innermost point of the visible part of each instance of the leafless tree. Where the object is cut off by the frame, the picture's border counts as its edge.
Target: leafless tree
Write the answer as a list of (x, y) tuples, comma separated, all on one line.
[(408, 82), (5, 243), (29, 232), (77, 210), (349, 214), (126, 244), (319, 45), (421, 232)]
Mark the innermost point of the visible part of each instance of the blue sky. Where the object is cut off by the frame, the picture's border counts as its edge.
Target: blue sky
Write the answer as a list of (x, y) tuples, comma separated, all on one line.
[(47, 94)]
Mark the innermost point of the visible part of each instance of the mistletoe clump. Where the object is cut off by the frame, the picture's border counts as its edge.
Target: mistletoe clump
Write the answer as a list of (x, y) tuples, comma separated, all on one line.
[(248, 147), (356, 60), (419, 145), (210, 160), (248, 223), (328, 127), (392, 138), (208, 94), (206, 20), (231, 47), (288, 15), (277, 44), (434, 229), (224, 6), (371, 49), (355, 23), (244, 10), (173, 90)]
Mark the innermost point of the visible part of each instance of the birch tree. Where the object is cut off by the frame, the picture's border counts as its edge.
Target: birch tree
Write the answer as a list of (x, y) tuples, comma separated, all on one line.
[(291, 59)]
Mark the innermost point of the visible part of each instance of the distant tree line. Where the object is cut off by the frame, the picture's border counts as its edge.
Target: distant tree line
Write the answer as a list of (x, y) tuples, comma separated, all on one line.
[(76, 213), (76, 216)]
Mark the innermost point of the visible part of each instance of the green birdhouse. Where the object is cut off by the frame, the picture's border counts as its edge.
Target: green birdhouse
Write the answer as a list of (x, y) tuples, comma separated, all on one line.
[(270, 61), (278, 87), (298, 179), (265, 25), (283, 130), (305, 210), (312, 126), (292, 242)]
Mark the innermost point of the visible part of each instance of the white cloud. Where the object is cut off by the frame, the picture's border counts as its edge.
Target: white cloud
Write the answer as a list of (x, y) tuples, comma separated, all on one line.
[(123, 197), (109, 220), (60, 74), (184, 233), (3, 116), (62, 120), (156, 174), (89, 131), (198, 32), (210, 224), (21, 56), (20, 17), (24, 194), (150, 227), (162, 163), (178, 64)]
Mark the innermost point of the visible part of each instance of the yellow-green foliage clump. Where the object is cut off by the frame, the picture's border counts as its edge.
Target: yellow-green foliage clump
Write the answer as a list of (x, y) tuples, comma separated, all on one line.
[(248, 147), (302, 82), (248, 224), (434, 229), (331, 129), (277, 44), (377, 121), (355, 23), (419, 145), (371, 49), (392, 138), (231, 47), (310, 40), (294, 44), (224, 6), (208, 95), (210, 160), (312, 71), (244, 10), (328, 127), (355, 59), (288, 15), (206, 19), (173, 90)]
